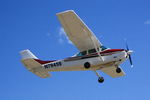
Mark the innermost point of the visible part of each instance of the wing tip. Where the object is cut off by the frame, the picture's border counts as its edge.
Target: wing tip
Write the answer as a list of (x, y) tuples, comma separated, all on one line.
[(66, 11)]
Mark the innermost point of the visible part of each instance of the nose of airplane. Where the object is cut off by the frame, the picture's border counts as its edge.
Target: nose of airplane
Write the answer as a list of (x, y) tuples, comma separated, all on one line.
[(129, 56), (129, 52)]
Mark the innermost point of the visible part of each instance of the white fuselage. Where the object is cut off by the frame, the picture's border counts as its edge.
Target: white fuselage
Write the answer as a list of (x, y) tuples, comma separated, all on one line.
[(77, 63)]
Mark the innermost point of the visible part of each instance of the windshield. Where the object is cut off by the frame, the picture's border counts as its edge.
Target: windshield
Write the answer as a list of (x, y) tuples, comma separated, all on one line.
[(103, 48)]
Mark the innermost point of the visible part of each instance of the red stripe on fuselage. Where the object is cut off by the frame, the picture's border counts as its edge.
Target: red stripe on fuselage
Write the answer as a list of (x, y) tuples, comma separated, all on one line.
[(43, 62), (111, 50)]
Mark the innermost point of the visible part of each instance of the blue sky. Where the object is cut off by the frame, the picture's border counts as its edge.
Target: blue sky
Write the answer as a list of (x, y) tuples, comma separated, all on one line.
[(32, 24)]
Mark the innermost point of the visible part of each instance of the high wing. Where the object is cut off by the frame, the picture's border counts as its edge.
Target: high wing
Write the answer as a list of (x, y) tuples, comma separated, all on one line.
[(77, 31), (111, 71)]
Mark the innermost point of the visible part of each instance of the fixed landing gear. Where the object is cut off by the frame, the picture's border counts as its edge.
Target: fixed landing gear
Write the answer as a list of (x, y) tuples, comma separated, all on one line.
[(100, 79), (118, 70)]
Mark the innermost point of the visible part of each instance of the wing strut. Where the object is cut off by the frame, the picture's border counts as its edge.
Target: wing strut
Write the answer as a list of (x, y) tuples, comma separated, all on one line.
[(96, 48)]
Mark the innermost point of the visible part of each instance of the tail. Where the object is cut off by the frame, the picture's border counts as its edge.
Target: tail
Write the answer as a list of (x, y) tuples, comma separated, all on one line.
[(26, 54), (33, 64)]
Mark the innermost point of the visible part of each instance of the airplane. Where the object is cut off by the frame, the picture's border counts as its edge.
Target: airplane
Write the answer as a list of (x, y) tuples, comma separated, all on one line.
[(93, 54)]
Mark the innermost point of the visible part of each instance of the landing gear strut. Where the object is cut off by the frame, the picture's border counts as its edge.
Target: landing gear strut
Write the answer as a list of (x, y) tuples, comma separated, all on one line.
[(100, 79)]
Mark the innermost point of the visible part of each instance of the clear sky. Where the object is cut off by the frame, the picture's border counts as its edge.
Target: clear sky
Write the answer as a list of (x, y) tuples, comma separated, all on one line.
[(32, 24)]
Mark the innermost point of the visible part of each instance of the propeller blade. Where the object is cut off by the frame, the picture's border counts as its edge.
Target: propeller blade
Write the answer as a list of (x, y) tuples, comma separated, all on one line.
[(130, 59), (127, 46)]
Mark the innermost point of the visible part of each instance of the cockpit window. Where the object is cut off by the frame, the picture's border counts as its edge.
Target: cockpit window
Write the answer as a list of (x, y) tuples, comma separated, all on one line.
[(79, 54), (91, 51), (103, 48), (94, 50), (82, 53)]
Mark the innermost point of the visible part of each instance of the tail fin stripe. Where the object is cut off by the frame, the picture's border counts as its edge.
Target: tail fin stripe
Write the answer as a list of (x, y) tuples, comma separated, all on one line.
[(43, 62)]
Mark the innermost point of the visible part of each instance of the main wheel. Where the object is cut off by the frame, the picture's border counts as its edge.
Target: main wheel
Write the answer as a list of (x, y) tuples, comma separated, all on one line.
[(87, 65), (118, 70), (100, 79)]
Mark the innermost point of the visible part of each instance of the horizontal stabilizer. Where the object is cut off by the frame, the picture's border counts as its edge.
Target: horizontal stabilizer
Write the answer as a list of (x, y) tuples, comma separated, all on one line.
[(35, 68), (28, 59)]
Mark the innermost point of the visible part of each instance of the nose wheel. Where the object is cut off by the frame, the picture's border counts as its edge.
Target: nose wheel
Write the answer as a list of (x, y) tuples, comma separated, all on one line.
[(100, 79)]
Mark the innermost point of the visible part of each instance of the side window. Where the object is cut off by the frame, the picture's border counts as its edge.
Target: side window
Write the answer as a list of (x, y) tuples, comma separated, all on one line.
[(84, 53), (91, 51), (79, 54)]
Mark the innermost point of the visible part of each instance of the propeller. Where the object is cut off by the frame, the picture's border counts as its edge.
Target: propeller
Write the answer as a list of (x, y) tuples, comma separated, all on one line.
[(129, 54)]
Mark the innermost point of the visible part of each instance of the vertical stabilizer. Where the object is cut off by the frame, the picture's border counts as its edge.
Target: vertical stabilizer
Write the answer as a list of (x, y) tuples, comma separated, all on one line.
[(27, 54)]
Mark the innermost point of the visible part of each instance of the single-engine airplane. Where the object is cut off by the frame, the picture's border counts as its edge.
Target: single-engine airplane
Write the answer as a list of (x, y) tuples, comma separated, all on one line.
[(93, 54)]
